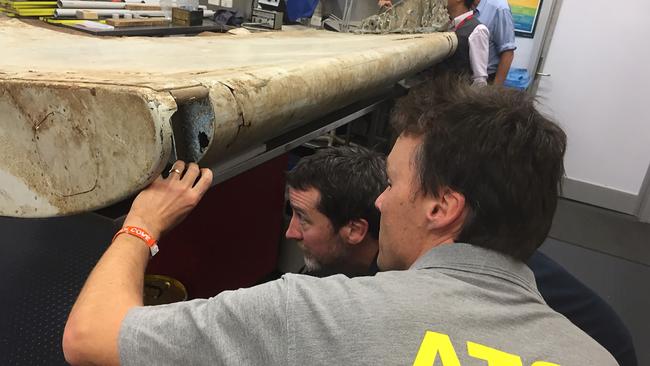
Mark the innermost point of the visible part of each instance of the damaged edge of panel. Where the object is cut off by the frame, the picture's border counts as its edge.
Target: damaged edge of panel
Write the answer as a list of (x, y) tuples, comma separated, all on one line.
[(93, 168), (193, 123)]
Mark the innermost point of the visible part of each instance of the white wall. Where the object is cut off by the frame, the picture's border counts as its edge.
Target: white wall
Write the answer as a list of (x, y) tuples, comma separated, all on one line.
[(524, 54), (599, 92)]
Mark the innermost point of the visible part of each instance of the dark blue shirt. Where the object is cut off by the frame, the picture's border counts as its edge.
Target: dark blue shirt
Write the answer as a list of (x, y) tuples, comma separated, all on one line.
[(583, 307)]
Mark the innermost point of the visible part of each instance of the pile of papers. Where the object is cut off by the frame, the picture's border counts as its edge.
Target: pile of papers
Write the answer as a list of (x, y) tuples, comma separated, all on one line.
[(104, 9), (28, 8)]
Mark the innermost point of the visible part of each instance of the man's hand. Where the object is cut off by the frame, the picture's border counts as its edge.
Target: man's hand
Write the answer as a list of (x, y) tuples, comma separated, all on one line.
[(166, 202), (385, 3), (92, 331)]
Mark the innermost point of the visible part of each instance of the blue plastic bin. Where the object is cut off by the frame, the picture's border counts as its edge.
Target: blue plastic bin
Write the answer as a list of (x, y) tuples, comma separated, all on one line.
[(517, 78)]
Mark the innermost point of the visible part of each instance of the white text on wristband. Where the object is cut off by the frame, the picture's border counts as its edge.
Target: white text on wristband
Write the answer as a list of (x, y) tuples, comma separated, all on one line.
[(142, 234)]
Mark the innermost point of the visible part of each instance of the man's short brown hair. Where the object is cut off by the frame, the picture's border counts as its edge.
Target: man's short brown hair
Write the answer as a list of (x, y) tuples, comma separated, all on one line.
[(493, 146)]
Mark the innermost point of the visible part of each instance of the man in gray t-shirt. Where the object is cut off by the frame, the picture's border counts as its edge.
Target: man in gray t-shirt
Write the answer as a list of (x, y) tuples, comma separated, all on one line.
[(477, 166)]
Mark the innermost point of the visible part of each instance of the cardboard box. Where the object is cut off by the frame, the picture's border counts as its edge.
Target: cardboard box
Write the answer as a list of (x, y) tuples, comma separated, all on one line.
[(185, 17)]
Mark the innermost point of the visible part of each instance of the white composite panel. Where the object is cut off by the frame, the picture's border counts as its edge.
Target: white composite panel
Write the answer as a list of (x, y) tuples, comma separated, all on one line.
[(85, 121)]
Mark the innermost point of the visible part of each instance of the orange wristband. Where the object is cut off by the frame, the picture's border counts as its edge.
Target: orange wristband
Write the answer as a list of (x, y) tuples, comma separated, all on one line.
[(142, 234)]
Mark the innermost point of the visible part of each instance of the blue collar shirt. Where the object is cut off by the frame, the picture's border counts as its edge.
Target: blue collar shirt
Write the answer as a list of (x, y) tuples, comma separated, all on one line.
[(496, 15)]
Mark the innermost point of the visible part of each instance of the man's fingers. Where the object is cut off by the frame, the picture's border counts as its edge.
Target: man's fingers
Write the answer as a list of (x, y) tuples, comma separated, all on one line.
[(176, 172), (204, 182), (191, 173)]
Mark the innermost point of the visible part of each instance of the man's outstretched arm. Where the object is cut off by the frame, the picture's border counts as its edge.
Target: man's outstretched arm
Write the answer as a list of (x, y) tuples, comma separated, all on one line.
[(505, 61), (115, 284)]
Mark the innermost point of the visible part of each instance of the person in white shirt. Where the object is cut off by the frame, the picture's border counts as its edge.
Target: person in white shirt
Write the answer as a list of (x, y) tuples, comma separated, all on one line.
[(497, 17), (473, 41)]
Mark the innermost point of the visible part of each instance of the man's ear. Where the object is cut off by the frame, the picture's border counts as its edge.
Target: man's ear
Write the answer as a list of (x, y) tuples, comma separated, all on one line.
[(354, 231), (445, 210)]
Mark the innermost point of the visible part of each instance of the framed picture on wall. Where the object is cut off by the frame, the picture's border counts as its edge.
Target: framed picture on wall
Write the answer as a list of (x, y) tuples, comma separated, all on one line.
[(524, 15)]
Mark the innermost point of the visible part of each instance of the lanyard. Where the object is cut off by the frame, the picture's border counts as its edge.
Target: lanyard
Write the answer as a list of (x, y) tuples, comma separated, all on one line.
[(463, 21)]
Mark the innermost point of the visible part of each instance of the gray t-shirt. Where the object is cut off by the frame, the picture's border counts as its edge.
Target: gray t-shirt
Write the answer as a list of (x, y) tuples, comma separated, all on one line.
[(457, 302)]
